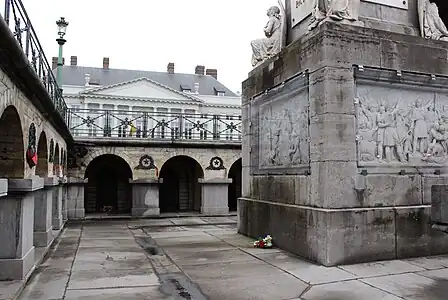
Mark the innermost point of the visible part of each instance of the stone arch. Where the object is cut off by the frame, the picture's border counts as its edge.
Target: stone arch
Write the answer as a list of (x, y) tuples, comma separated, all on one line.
[(234, 189), (12, 150), (103, 151), (180, 189), (56, 160), (51, 155), (42, 155), (108, 188)]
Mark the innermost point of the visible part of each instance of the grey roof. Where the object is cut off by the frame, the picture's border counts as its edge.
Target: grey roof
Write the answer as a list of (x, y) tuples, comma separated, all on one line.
[(75, 75)]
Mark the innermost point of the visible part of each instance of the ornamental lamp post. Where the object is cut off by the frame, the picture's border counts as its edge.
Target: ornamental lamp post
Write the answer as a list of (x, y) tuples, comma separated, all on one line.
[(62, 27)]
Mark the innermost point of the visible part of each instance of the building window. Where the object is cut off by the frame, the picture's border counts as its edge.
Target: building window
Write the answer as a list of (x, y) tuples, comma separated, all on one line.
[(220, 93)]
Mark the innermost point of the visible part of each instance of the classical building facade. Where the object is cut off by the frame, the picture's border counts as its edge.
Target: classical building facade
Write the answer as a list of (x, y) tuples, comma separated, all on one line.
[(152, 142)]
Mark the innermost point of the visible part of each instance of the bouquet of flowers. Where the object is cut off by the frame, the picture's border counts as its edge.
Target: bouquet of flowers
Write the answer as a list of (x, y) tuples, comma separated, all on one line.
[(264, 243)]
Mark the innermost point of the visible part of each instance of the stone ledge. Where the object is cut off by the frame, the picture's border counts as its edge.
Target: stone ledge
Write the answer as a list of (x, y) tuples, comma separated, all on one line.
[(3, 187), (25, 185), (17, 269), (215, 181), (51, 181), (146, 181), (73, 181)]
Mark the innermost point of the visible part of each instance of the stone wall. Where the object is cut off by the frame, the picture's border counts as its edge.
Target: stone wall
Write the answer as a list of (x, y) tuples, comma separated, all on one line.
[(28, 114), (132, 155), (342, 211)]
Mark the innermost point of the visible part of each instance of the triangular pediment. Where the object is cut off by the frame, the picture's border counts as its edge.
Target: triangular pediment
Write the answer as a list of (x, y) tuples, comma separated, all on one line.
[(142, 88)]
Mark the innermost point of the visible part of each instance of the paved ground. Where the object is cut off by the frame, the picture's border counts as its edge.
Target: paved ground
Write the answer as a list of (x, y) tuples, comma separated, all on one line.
[(204, 258)]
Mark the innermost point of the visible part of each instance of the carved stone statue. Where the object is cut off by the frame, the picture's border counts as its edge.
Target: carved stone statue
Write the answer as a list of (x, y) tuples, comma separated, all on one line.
[(431, 25), (337, 10), (274, 31)]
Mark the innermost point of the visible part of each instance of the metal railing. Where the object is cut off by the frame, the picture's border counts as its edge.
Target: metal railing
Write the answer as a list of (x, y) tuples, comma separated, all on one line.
[(116, 124), (20, 25)]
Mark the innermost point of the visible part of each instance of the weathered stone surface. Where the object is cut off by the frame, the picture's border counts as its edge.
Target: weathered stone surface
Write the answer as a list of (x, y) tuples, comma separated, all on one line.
[(392, 190), (428, 181), (215, 196), (439, 205), (3, 187), (145, 197)]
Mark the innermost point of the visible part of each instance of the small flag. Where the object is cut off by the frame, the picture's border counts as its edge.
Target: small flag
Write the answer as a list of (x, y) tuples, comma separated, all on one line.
[(31, 157), (133, 130)]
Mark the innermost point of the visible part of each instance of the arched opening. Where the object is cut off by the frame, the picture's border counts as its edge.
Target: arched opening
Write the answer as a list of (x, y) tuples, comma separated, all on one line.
[(56, 160), (108, 188), (180, 190), (12, 150), (42, 156), (235, 173), (443, 10)]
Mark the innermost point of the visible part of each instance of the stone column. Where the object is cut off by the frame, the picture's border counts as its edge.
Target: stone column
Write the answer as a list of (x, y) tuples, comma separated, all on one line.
[(43, 204), (75, 198), (215, 196), (63, 181), (16, 228), (145, 197), (57, 206)]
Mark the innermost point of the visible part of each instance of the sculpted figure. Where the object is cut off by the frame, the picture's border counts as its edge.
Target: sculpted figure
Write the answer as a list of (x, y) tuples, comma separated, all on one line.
[(431, 24), (420, 127), (265, 48), (337, 10)]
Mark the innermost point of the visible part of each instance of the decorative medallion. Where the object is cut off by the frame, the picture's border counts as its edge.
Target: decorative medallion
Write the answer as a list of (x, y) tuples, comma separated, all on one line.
[(51, 158), (216, 163), (146, 162), (31, 153)]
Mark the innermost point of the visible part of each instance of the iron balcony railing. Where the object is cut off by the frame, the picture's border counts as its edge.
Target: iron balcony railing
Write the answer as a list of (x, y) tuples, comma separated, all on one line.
[(19, 23), (91, 123)]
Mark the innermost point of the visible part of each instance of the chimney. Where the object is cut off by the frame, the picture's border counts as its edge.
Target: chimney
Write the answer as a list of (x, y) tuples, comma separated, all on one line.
[(106, 63), (54, 62), (212, 72), (199, 70), (170, 68), (73, 61)]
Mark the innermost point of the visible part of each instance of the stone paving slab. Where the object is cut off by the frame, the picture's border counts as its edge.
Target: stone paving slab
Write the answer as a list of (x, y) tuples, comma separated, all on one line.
[(381, 268), (346, 290), (134, 293)]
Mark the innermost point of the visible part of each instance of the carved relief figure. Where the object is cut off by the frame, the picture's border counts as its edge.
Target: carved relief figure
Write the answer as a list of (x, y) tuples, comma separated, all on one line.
[(337, 10), (419, 127), (431, 25), (386, 131), (265, 48)]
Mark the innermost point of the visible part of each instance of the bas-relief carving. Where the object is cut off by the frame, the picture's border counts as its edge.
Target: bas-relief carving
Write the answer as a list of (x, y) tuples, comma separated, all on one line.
[(337, 10), (275, 32), (431, 25), (401, 126), (284, 136)]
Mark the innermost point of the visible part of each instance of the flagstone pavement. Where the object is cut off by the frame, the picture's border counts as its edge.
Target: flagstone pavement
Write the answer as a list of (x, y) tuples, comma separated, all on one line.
[(204, 258)]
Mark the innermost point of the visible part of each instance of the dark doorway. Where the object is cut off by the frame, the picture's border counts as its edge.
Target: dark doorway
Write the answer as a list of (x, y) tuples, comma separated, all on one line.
[(108, 188), (443, 10), (12, 150), (42, 156), (180, 190), (235, 173)]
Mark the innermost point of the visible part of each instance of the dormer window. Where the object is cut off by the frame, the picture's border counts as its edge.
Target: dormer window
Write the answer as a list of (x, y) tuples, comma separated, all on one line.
[(185, 88), (219, 92)]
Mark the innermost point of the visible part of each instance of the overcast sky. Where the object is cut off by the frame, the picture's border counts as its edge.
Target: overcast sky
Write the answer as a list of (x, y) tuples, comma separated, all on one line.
[(148, 34)]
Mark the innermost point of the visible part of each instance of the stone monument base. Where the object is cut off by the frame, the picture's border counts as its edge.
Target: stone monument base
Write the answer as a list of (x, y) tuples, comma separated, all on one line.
[(318, 174)]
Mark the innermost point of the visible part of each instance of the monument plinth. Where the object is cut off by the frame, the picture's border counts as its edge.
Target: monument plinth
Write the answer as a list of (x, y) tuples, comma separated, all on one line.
[(345, 135)]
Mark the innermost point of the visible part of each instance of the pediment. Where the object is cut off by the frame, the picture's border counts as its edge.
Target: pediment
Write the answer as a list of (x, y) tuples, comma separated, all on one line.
[(141, 88)]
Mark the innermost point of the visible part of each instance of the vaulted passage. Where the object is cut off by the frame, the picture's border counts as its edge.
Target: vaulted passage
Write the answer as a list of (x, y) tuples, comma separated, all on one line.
[(42, 156), (235, 187), (108, 188), (12, 150), (180, 190)]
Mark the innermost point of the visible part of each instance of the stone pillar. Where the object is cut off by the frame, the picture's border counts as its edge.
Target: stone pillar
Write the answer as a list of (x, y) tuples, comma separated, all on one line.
[(43, 204), (215, 196), (145, 197), (63, 181), (16, 228), (57, 206), (3, 187), (75, 198)]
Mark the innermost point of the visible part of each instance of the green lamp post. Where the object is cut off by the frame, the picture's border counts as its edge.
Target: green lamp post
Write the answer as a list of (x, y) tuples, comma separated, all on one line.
[(62, 27)]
